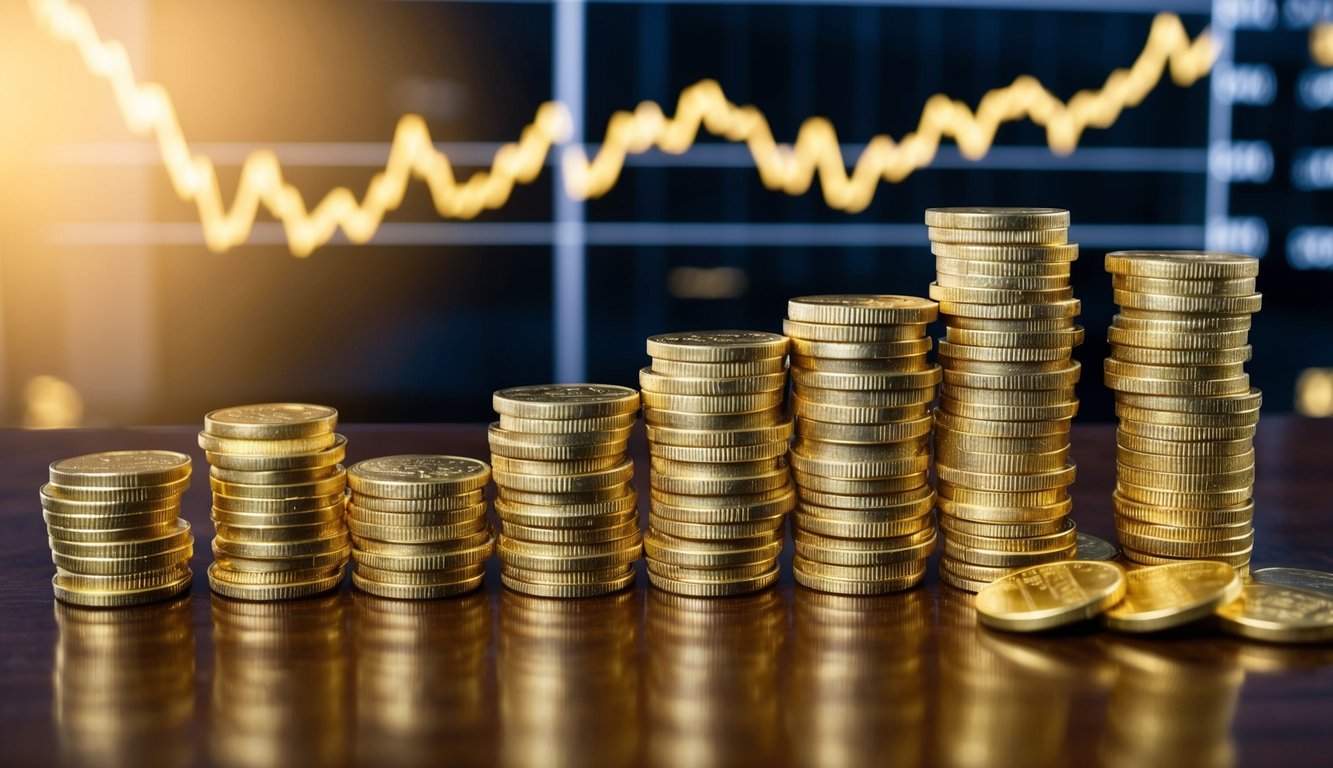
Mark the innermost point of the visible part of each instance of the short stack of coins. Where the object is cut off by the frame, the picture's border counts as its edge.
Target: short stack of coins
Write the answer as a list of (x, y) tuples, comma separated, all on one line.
[(113, 522), (718, 434), (418, 525), (279, 504), (569, 517), (1002, 424), (862, 391), (1185, 446)]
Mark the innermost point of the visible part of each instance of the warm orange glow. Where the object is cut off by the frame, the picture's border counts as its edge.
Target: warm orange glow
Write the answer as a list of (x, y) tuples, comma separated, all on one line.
[(790, 168), (51, 403), (1321, 44)]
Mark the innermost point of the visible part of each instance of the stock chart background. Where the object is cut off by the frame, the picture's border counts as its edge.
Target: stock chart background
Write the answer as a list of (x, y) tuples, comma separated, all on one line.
[(115, 311)]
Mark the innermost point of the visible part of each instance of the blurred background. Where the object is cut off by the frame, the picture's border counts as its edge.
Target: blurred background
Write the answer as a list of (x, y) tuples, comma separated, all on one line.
[(113, 310)]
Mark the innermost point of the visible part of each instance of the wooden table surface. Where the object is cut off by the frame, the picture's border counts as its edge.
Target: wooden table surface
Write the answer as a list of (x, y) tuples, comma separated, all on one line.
[(786, 677)]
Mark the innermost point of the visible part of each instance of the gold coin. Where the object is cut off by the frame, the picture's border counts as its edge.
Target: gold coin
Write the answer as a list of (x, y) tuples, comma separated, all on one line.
[(857, 586), (569, 557), (910, 380), (143, 579), (1166, 596), (571, 467), (1196, 341), (740, 385), (1186, 419), (506, 448), (1044, 499), (1230, 385), (278, 533), (1194, 373), (1058, 339), (592, 481), (863, 469), (257, 447), (1184, 464), (713, 403), (567, 590), (717, 531), (1195, 483), (110, 535), (1207, 305), (1182, 265), (1006, 559), (1005, 515), (909, 449), (416, 534), (116, 496), (271, 421), (1051, 595), (265, 593), (1164, 286), (1168, 324), (1067, 308), (1053, 236), (1249, 401), (1001, 429), (959, 582), (772, 450), (499, 437), (716, 346), (969, 267), (1169, 497), (853, 333), (889, 404), (585, 535), (713, 421), (121, 469), (893, 503), (568, 515), (482, 538), (426, 592), (274, 578), (124, 566), (950, 352), (1065, 536), (986, 481), (862, 309), (562, 578), (1278, 614), (670, 550), (715, 588), (1185, 517), (734, 514), (276, 506), (706, 575), (1238, 560), (326, 487), (951, 525), (448, 503), (720, 486), (176, 533), (864, 434), (1183, 357), (1093, 548), (562, 426), (57, 521), (825, 522), (1006, 296), (868, 573), (807, 482), (964, 398), (104, 508), (837, 350), (432, 561), (706, 438), (1162, 436), (261, 565), (687, 469), (279, 477), (565, 401), (280, 549), (866, 366), (327, 514), (990, 412), (757, 367), (278, 462), (1184, 445), (1064, 376), (122, 598), (418, 578), (805, 408), (977, 217), (1001, 282), (1199, 550), (416, 519), (417, 476)]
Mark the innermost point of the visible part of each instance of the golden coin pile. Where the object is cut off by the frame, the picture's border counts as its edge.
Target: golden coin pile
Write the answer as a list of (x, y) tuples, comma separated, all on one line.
[(113, 522), (279, 501), (1002, 424), (569, 515), (1185, 446), (862, 395), (418, 525), (718, 435)]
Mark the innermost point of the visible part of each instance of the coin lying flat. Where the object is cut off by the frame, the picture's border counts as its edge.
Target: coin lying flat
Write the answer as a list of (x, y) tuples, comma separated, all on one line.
[(1278, 614), (271, 421), (1051, 595), (1166, 596), (1296, 578)]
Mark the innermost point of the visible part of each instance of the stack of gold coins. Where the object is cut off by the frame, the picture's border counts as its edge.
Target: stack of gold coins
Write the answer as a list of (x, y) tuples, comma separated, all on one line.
[(1002, 424), (418, 524), (718, 435), (278, 500), (1185, 450), (569, 515), (113, 522), (862, 395)]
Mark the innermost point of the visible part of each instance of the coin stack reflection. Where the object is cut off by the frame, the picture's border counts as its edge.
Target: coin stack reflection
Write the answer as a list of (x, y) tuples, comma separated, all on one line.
[(569, 681), (569, 520), (857, 681), (712, 685), (1002, 425), (718, 436), (124, 685), (422, 669), (113, 524), (1185, 446), (862, 395), (279, 507), (418, 525), (280, 683)]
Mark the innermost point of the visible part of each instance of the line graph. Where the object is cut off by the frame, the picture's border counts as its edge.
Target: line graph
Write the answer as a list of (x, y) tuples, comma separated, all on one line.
[(815, 155)]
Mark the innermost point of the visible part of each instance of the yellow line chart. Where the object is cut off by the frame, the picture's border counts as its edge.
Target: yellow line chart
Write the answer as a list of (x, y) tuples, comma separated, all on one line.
[(703, 107)]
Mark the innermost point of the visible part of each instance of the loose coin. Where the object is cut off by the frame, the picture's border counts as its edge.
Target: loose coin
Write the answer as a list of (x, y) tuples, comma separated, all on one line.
[(1278, 614), (1165, 596), (1051, 595)]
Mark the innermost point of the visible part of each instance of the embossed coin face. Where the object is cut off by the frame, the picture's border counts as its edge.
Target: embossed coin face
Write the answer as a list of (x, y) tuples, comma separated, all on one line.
[(1093, 548), (717, 346), (1278, 614), (979, 217), (1182, 264), (1297, 578), (271, 421), (1166, 596), (879, 309), (121, 469), (397, 474), (565, 401), (1051, 595)]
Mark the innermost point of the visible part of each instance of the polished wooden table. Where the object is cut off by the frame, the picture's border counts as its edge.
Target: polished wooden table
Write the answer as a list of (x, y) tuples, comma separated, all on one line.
[(785, 677)]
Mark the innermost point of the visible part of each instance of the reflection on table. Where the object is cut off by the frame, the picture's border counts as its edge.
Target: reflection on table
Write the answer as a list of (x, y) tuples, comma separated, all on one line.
[(124, 685)]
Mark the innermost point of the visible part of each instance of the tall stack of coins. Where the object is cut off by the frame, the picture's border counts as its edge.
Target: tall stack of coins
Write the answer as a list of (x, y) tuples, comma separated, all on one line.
[(1185, 451), (113, 522), (278, 500), (1002, 425), (569, 517), (718, 436), (418, 525), (862, 395)]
